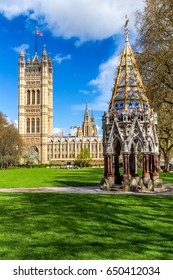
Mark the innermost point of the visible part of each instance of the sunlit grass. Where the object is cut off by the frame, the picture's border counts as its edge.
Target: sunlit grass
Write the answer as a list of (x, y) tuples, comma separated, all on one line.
[(49, 177), (78, 226)]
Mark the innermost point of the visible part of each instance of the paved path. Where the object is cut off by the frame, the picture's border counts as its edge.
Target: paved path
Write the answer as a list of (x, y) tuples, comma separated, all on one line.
[(168, 190)]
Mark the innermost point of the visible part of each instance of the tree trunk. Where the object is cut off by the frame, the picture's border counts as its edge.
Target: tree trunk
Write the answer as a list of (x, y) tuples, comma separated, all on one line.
[(166, 166)]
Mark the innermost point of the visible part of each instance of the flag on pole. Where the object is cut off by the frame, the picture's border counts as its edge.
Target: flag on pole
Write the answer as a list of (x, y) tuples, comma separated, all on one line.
[(39, 33)]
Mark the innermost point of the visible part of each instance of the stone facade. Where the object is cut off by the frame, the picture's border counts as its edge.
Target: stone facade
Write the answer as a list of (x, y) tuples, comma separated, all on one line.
[(35, 102), (66, 148), (35, 111), (63, 149)]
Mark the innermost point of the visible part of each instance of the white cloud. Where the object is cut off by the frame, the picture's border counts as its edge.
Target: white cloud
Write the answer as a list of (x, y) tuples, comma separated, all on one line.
[(83, 19), (103, 84), (15, 123), (58, 131), (59, 58), (83, 91), (98, 128), (19, 48)]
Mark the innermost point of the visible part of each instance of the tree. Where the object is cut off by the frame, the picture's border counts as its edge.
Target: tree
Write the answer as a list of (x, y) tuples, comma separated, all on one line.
[(155, 28), (155, 60), (83, 158), (31, 155), (10, 142), (165, 130)]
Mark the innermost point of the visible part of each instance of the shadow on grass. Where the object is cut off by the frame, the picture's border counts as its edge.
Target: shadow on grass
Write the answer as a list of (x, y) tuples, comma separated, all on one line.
[(77, 178), (73, 226)]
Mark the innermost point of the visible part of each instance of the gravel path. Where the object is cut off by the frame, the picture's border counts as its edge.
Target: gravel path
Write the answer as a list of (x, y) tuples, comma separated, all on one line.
[(168, 190)]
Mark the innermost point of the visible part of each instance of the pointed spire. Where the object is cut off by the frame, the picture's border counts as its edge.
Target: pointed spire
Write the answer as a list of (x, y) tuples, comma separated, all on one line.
[(86, 115), (22, 51), (128, 92), (28, 60), (92, 117), (44, 53), (22, 56), (36, 60), (126, 27)]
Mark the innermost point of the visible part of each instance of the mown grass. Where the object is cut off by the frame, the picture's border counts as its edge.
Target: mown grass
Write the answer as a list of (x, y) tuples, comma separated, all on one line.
[(49, 177), (84, 226)]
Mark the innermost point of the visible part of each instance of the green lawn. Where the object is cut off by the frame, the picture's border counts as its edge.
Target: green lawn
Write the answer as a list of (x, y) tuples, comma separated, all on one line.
[(77, 226), (48, 177)]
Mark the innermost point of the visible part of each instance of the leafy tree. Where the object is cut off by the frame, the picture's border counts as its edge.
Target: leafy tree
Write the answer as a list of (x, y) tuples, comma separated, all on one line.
[(31, 155), (10, 142), (83, 158), (166, 133), (155, 60)]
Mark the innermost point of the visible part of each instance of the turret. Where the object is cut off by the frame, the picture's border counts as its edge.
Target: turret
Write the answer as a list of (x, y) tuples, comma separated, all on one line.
[(44, 53), (28, 62)]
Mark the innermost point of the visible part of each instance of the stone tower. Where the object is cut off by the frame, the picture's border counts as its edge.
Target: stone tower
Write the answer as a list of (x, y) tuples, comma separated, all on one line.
[(130, 128), (35, 102), (88, 127)]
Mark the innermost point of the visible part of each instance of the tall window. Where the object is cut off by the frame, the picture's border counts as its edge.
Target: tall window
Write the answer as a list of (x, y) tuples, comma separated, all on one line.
[(33, 125), (28, 97), (33, 97), (38, 97), (28, 125), (38, 125)]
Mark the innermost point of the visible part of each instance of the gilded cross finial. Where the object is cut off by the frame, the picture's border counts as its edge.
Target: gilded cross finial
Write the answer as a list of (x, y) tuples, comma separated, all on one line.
[(126, 26)]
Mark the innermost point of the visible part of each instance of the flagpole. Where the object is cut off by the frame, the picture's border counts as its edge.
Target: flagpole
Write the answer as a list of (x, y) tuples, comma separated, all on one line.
[(36, 40)]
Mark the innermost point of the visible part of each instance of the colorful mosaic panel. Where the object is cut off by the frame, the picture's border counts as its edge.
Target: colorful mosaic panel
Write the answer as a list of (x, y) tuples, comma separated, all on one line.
[(119, 105), (130, 67), (131, 78), (122, 79), (120, 93), (120, 89), (132, 93), (145, 106), (133, 104), (119, 96)]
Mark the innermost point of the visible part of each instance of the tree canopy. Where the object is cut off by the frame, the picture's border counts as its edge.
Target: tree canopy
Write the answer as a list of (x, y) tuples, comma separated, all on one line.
[(10, 142), (155, 60), (83, 158), (155, 28)]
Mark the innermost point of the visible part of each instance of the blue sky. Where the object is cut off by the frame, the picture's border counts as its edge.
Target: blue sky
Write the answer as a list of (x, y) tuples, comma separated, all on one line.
[(84, 38)]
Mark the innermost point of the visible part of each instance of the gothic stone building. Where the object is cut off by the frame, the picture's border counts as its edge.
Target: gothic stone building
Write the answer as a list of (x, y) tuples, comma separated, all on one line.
[(35, 110)]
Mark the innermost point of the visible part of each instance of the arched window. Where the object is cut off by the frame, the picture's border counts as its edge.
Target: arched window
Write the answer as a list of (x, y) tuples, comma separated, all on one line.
[(38, 97), (33, 125), (33, 97), (28, 97), (38, 125), (28, 125)]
